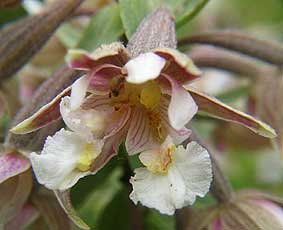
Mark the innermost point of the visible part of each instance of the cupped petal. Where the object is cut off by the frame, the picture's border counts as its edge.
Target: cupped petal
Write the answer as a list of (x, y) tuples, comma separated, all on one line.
[(114, 53), (100, 80), (212, 107), (140, 136), (145, 67), (78, 92), (178, 136), (180, 66), (43, 117), (182, 106), (56, 166), (194, 166)]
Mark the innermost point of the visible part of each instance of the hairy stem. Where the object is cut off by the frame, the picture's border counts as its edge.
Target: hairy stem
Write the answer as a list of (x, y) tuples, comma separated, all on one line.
[(221, 59), (267, 51)]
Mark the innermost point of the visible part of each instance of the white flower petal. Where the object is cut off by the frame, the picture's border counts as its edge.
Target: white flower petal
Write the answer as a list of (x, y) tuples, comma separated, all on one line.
[(194, 165), (79, 89), (55, 166), (152, 190), (144, 67), (182, 106), (189, 176), (178, 136), (88, 124)]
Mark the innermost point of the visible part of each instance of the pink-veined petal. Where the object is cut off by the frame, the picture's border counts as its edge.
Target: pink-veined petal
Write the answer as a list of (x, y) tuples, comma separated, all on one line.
[(215, 108), (118, 120), (100, 79), (139, 137), (12, 164), (44, 116), (182, 106), (98, 102)]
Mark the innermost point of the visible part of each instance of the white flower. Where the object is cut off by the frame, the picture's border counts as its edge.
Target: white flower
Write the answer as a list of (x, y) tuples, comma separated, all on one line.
[(173, 176), (65, 158)]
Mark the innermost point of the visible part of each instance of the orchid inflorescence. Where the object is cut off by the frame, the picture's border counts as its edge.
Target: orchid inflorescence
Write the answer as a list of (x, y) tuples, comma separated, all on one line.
[(143, 100)]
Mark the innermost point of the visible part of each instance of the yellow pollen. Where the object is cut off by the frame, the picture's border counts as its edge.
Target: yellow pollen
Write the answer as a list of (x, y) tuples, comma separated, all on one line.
[(155, 123), (87, 157), (164, 160), (150, 95)]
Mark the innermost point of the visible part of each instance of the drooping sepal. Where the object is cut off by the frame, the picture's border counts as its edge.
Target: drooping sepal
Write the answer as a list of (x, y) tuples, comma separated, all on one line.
[(213, 107)]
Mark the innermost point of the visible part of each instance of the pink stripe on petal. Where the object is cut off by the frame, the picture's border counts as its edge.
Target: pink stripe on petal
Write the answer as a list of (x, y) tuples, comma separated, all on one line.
[(118, 121), (98, 102), (12, 164), (139, 137), (182, 106)]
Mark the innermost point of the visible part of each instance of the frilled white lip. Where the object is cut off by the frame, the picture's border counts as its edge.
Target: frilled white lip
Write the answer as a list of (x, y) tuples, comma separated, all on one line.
[(145, 67), (55, 167), (189, 176)]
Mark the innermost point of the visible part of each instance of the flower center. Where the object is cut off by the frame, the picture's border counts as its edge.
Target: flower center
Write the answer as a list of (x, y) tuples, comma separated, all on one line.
[(96, 122), (147, 94), (156, 125), (87, 157), (163, 160)]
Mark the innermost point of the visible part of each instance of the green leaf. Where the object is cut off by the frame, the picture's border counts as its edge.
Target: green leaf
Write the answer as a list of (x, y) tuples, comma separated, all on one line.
[(69, 35), (134, 11), (116, 214), (102, 195), (104, 27), (192, 8)]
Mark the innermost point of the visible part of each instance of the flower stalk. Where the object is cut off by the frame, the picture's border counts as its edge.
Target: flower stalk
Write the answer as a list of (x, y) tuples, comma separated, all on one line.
[(270, 52)]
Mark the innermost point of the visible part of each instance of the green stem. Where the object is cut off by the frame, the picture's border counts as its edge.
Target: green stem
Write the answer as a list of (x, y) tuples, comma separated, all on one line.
[(208, 57)]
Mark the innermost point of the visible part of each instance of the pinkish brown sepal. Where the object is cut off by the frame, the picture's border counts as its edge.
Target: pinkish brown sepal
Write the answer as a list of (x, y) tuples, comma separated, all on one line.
[(215, 108), (179, 66), (45, 116), (114, 54)]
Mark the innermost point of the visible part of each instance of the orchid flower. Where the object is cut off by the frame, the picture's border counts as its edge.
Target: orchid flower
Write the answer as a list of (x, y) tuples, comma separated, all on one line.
[(173, 176), (139, 100)]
